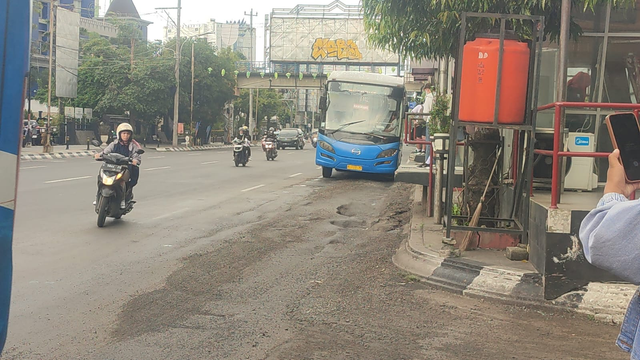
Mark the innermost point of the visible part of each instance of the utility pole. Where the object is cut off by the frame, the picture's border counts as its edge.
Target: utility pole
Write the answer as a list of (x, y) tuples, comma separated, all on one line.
[(193, 65), (176, 99), (51, 32), (251, 120)]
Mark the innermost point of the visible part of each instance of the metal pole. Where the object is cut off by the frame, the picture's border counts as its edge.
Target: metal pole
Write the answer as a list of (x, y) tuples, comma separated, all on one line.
[(51, 32), (176, 98), (192, 80), (561, 88), (437, 206), (250, 107)]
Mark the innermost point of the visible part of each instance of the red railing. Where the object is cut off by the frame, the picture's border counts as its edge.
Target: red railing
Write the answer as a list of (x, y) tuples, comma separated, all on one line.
[(556, 154)]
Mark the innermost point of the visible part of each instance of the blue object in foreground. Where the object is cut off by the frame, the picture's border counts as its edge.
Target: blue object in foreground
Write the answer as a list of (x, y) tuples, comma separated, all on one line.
[(15, 26)]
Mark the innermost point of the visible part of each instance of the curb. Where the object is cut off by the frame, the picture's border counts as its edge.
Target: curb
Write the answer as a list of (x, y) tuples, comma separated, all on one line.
[(58, 155), (605, 301), (192, 148)]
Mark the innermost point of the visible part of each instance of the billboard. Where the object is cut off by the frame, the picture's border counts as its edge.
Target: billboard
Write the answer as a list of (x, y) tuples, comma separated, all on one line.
[(67, 49), (323, 40)]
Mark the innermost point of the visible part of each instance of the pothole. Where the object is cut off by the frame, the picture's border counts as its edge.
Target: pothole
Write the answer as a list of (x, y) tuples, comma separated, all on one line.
[(349, 223)]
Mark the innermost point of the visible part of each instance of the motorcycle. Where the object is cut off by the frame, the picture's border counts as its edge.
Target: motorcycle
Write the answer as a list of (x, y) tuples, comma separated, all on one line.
[(240, 152), (269, 147), (112, 185)]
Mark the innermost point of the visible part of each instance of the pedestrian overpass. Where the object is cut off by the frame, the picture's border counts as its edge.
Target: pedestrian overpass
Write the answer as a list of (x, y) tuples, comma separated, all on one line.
[(255, 80)]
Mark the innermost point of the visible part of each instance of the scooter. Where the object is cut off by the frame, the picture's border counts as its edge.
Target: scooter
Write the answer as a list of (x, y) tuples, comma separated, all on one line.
[(269, 147), (240, 153), (112, 186)]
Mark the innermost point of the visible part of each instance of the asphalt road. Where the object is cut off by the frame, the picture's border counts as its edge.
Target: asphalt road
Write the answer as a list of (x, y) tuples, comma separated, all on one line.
[(70, 274), (264, 262)]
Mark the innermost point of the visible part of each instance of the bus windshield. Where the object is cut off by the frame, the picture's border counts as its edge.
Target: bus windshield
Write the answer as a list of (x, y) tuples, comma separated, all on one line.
[(363, 109)]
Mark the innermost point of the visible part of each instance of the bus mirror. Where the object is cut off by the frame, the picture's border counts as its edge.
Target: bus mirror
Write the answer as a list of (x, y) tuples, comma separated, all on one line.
[(323, 102)]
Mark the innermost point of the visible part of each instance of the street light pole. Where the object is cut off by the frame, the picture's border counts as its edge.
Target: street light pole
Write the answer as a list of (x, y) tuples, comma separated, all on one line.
[(176, 99), (192, 79)]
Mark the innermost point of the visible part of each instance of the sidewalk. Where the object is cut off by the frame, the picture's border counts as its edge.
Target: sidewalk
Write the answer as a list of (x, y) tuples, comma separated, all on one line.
[(60, 151), (489, 274), (193, 148)]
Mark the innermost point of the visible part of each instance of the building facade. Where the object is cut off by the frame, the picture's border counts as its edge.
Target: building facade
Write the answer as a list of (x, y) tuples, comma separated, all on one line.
[(236, 35)]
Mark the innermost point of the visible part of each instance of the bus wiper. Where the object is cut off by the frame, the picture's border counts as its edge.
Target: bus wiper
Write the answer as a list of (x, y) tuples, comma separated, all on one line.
[(376, 135), (344, 126)]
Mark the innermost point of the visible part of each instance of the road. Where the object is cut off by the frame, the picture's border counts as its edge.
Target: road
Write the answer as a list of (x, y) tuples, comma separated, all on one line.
[(264, 262)]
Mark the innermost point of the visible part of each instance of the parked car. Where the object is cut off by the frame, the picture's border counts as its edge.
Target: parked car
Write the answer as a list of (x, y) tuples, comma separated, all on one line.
[(291, 137)]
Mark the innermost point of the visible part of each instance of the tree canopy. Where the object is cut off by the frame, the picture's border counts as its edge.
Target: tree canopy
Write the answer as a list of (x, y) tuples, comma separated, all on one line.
[(429, 29), (113, 79)]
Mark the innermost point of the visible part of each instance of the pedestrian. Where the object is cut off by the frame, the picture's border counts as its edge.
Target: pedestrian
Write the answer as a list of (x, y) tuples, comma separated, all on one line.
[(418, 126), (610, 235), (426, 108)]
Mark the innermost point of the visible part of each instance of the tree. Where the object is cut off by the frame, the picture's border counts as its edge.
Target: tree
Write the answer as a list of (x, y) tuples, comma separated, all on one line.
[(430, 29), (270, 103), (113, 78)]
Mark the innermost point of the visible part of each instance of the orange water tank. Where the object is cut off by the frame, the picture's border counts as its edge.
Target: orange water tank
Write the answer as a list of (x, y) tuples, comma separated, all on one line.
[(480, 79)]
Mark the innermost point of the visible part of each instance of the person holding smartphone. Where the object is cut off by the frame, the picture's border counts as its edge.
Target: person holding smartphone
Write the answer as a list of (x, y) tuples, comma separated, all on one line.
[(610, 235)]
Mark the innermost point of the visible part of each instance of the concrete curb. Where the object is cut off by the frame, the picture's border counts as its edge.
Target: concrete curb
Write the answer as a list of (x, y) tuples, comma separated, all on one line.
[(58, 155), (192, 148), (604, 301)]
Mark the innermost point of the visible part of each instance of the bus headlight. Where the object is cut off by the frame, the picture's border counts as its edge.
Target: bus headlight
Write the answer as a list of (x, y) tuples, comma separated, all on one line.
[(387, 153), (326, 146)]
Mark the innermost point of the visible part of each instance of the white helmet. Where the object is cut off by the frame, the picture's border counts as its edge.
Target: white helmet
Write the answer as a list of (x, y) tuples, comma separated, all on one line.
[(124, 127)]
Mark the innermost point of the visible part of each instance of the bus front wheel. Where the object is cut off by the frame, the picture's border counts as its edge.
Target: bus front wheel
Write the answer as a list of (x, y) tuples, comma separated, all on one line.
[(326, 172)]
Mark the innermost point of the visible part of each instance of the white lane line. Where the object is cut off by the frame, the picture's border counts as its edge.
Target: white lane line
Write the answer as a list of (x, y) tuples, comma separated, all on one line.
[(294, 175), (170, 214), (156, 157), (194, 154), (68, 179), (253, 188), (158, 168), (319, 167), (31, 167), (208, 162)]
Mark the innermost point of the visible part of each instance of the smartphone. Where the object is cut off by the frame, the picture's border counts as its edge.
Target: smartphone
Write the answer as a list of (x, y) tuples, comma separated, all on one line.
[(624, 130)]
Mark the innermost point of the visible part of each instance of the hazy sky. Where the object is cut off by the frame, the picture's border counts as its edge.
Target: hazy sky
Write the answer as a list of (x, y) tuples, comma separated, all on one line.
[(200, 11)]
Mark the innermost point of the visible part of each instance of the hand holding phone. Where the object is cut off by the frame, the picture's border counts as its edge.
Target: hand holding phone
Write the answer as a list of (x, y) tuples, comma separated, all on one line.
[(624, 130)]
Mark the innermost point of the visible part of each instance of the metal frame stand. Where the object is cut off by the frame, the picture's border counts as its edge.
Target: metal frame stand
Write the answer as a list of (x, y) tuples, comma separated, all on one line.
[(519, 221)]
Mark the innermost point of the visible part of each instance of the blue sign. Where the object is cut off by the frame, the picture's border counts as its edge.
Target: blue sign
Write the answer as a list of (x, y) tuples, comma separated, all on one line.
[(582, 141)]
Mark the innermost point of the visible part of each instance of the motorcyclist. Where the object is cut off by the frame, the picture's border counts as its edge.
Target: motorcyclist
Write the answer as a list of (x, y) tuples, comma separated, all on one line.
[(244, 138), (125, 146), (271, 135)]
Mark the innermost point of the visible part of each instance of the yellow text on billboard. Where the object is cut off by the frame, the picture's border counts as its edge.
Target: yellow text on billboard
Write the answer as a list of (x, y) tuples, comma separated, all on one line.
[(340, 49)]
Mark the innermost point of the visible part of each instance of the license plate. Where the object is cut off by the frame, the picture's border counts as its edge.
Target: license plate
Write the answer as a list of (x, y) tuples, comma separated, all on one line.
[(354, 167)]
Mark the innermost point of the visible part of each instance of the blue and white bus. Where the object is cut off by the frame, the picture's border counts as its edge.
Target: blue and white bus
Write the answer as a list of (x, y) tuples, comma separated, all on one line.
[(15, 23), (361, 123)]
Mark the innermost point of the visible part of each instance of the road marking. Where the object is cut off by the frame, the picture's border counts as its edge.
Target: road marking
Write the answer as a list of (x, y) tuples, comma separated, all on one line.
[(158, 168), (319, 167), (253, 188), (68, 179), (170, 214), (209, 162), (156, 157), (294, 175), (194, 154), (31, 167)]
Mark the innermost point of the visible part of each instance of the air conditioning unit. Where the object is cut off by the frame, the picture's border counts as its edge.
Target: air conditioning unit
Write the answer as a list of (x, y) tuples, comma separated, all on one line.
[(579, 172), (580, 175)]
